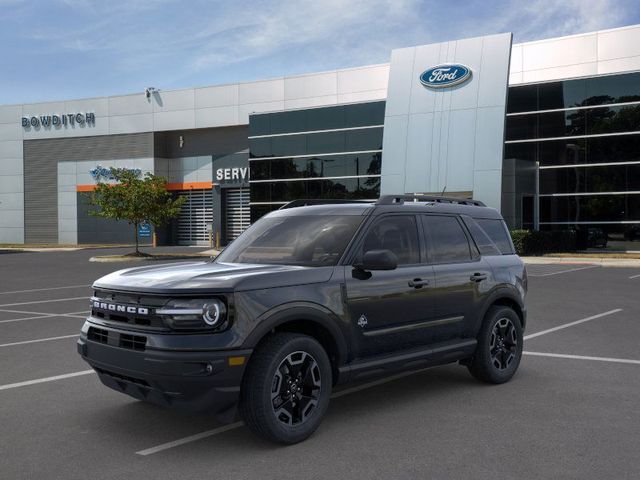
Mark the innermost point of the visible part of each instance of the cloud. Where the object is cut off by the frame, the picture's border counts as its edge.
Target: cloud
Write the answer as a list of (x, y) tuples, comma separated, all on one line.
[(125, 44), (540, 19)]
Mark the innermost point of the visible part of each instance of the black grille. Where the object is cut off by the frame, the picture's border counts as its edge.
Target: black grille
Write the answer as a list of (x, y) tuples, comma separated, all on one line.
[(133, 342), (98, 335), (148, 320)]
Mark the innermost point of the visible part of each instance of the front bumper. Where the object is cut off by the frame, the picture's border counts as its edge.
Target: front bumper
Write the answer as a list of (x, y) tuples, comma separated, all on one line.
[(196, 381)]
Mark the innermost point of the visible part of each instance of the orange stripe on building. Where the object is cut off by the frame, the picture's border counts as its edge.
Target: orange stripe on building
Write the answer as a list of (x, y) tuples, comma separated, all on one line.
[(189, 185), (170, 186)]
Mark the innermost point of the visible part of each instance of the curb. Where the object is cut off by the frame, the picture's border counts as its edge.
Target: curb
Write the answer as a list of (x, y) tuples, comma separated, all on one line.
[(603, 262)]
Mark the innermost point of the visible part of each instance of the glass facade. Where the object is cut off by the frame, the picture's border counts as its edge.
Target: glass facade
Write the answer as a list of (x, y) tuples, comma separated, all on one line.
[(317, 153), (577, 143)]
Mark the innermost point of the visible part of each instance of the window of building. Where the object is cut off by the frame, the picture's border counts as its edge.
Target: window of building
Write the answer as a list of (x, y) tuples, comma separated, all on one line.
[(293, 157), (595, 129)]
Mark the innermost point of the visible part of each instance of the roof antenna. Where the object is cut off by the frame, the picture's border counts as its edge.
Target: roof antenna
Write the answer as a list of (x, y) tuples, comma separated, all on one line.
[(443, 190)]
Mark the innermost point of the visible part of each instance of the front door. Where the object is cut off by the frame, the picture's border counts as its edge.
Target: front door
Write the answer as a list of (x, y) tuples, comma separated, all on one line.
[(388, 309)]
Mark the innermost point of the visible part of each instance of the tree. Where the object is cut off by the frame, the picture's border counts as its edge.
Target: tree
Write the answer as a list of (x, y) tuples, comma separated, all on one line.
[(136, 199)]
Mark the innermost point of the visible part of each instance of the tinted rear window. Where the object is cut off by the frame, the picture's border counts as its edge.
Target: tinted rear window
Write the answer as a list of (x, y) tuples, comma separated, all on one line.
[(484, 243), (497, 231), (448, 240)]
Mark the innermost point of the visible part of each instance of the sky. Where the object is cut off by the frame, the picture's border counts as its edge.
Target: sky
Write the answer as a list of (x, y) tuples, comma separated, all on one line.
[(68, 49)]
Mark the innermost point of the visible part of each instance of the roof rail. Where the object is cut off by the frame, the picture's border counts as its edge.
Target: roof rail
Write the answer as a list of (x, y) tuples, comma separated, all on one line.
[(417, 197), (329, 201)]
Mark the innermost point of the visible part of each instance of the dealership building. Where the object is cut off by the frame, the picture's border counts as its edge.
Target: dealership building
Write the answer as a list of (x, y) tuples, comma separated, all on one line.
[(548, 132)]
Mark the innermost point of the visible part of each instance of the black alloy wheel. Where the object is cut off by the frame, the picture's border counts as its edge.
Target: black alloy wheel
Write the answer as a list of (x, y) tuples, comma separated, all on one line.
[(296, 388), (504, 344), (286, 388), (499, 347)]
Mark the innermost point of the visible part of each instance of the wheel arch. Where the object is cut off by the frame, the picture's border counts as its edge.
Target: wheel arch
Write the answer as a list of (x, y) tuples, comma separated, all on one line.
[(312, 320), (506, 298)]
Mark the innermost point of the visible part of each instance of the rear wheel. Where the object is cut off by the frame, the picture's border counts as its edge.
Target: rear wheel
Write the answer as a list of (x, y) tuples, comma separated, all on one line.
[(286, 388), (499, 347)]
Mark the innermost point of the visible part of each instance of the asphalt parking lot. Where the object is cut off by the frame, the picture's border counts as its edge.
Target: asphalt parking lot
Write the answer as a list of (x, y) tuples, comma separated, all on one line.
[(570, 412)]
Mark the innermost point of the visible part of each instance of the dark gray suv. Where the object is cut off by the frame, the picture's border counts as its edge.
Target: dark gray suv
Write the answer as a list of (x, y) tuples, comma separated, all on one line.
[(308, 297)]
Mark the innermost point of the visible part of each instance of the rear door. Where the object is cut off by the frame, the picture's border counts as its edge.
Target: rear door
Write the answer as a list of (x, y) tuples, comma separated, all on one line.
[(462, 277), (388, 309)]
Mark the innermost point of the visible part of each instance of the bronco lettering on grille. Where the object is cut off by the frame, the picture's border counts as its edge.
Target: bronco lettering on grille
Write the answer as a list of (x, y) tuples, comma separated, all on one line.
[(113, 307)]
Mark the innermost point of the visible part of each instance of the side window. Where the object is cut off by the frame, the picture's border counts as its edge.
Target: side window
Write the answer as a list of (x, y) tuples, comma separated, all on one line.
[(398, 234), (497, 231), (484, 243), (448, 241)]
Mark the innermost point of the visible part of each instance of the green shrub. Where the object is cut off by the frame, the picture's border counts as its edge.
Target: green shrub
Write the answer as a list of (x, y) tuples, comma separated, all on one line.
[(532, 242)]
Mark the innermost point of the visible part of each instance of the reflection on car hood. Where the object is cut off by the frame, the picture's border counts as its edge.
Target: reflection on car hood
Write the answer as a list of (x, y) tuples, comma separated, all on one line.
[(193, 277)]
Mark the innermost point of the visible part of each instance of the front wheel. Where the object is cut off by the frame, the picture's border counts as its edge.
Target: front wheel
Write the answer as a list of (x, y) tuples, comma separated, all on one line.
[(286, 389), (499, 347)]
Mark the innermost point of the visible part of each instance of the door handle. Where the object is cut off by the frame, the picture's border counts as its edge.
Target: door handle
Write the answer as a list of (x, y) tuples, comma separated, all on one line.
[(418, 283), (478, 277)]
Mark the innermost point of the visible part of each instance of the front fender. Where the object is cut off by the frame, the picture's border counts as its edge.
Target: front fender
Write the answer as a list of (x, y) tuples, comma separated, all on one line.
[(292, 311)]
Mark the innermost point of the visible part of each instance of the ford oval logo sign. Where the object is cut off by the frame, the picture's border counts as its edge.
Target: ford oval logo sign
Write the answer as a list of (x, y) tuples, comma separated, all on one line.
[(442, 76)]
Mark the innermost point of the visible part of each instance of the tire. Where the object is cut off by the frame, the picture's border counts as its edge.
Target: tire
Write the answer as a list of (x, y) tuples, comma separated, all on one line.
[(499, 347), (299, 400)]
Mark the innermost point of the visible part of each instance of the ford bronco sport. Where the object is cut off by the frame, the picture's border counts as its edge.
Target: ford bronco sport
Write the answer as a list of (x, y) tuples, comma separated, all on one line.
[(308, 297)]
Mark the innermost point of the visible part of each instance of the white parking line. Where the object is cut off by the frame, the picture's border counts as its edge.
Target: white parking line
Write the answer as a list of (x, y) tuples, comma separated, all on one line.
[(634, 276), (581, 357), (24, 342), (45, 301), (571, 324), (233, 426), (46, 379), (42, 315), (190, 438), (563, 271), (44, 289)]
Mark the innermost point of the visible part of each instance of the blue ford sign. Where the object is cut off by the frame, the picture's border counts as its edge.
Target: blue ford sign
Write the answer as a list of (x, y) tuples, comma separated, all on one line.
[(442, 76)]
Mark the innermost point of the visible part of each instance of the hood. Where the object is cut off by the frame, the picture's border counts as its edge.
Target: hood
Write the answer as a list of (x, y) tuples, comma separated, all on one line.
[(194, 277)]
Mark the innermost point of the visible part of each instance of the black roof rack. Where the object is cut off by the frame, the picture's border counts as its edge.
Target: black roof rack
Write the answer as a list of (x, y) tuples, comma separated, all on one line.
[(330, 201), (417, 197)]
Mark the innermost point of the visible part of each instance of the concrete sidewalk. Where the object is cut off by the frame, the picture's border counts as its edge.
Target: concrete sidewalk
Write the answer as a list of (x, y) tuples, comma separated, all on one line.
[(595, 260)]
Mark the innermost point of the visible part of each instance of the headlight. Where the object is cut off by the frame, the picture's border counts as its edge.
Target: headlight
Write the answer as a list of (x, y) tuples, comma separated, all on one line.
[(194, 314)]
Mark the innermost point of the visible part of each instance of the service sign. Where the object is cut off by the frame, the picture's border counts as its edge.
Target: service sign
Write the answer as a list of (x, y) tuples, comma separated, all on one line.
[(443, 76), (235, 174)]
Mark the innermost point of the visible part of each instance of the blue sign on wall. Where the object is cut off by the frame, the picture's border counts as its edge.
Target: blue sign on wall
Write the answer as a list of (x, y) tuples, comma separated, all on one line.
[(144, 230), (442, 76)]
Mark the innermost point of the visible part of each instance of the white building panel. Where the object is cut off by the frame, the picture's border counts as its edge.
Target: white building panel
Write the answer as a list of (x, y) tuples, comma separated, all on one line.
[(217, 116), (173, 100), (10, 114), (177, 120), (98, 106), (130, 123), (309, 86), (259, 92), (374, 77), (619, 43), (222, 96), (130, 104), (311, 102), (554, 53)]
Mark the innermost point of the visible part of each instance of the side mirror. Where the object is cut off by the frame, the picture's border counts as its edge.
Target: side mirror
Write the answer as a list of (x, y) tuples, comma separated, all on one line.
[(379, 260)]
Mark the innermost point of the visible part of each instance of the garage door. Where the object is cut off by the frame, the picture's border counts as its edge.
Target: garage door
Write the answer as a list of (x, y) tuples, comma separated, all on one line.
[(196, 216), (238, 213)]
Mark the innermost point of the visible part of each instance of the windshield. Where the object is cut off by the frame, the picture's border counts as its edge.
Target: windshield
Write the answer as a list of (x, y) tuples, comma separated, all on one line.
[(314, 240)]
